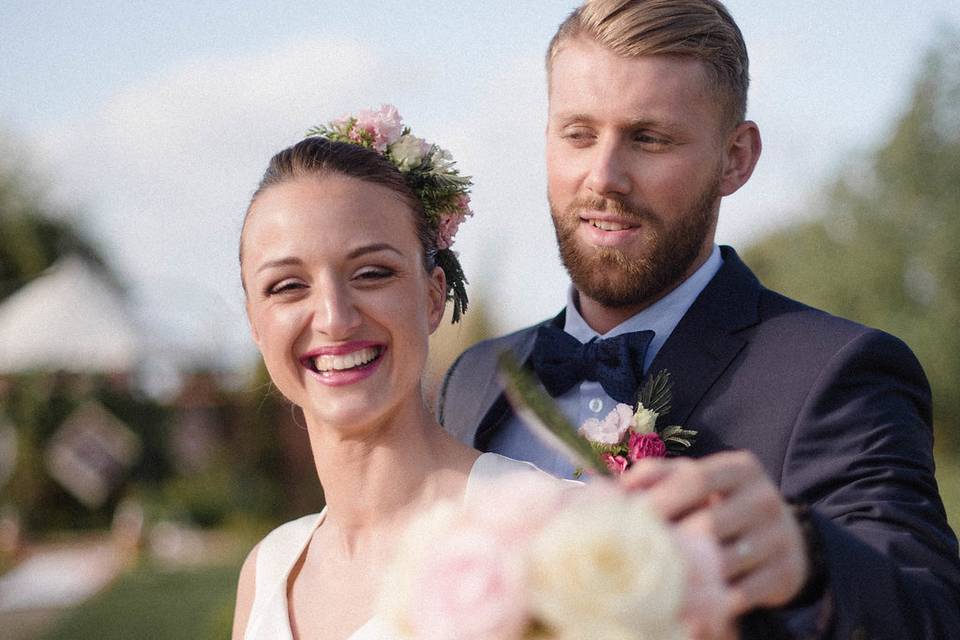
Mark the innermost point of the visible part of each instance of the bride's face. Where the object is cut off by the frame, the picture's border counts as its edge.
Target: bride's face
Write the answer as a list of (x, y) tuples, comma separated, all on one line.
[(339, 303)]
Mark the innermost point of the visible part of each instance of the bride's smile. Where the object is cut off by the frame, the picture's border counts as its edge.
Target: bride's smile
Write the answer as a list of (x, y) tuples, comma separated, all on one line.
[(343, 364)]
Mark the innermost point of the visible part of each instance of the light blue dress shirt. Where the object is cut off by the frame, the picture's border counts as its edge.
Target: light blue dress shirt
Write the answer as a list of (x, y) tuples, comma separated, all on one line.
[(588, 399)]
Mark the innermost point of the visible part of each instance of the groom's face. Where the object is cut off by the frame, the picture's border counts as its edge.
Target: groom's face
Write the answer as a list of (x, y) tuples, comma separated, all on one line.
[(634, 157)]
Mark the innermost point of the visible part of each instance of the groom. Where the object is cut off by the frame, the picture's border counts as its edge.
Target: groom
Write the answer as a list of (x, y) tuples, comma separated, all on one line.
[(813, 466)]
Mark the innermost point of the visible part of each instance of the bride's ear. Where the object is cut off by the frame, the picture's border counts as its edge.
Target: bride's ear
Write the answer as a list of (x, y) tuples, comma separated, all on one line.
[(438, 297)]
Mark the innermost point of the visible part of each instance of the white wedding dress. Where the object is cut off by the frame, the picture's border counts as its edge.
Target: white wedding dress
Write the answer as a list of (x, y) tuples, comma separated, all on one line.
[(284, 546)]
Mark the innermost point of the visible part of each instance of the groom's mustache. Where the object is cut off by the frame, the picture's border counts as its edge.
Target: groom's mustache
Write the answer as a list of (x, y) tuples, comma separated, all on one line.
[(609, 205)]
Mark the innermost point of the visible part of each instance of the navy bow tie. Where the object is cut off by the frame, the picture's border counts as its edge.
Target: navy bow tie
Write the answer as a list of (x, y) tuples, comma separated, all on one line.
[(561, 361)]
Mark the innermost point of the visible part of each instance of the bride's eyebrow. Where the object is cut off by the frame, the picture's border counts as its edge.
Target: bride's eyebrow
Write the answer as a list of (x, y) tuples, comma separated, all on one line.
[(281, 262), (373, 248)]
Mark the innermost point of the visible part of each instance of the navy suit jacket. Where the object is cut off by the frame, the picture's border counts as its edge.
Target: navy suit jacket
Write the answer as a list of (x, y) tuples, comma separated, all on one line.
[(839, 415)]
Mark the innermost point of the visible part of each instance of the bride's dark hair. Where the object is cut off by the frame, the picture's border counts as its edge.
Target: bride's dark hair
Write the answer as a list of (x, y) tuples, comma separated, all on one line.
[(318, 157)]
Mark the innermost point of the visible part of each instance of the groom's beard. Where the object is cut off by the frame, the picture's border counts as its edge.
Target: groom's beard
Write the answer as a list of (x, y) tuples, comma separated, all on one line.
[(612, 278)]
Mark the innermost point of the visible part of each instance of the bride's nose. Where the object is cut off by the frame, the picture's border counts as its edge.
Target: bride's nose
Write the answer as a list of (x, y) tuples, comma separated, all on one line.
[(335, 314)]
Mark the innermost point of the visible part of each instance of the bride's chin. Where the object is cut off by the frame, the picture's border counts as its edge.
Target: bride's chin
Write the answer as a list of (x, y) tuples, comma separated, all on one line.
[(347, 417)]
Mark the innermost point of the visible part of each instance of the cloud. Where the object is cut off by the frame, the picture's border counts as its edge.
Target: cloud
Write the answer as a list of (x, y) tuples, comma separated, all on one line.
[(164, 170)]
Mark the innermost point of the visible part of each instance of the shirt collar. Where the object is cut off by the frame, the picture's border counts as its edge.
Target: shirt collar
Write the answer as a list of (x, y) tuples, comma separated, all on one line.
[(661, 317)]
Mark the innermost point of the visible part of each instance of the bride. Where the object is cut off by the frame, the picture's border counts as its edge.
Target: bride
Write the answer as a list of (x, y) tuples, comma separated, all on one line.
[(347, 269)]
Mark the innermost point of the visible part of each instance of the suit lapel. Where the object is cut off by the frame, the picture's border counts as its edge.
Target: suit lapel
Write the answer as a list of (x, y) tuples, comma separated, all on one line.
[(705, 341)]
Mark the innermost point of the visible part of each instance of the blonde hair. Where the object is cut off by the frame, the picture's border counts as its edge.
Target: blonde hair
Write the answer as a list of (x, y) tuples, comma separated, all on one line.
[(700, 29)]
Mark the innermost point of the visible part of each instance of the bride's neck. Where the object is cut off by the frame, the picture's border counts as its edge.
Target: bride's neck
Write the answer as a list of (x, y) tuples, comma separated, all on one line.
[(375, 478)]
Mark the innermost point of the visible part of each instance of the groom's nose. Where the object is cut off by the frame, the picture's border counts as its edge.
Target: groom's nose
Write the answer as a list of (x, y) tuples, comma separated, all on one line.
[(608, 171), (336, 314)]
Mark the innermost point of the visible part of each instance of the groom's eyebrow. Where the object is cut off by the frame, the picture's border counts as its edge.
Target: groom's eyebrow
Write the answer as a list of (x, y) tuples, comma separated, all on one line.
[(639, 122)]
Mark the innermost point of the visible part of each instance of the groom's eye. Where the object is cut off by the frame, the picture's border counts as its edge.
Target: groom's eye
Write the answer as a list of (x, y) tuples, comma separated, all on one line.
[(649, 140), (578, 135)]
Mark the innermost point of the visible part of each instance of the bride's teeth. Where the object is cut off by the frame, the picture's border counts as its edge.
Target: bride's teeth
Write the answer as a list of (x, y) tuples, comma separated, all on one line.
[(348, 361), (608, 226)]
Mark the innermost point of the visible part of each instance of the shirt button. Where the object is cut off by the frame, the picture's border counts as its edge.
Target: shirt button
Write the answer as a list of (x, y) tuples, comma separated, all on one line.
[(595, 405)]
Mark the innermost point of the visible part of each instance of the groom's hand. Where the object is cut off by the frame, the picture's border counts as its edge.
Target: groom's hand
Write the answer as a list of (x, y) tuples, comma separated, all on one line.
[(729, 496)]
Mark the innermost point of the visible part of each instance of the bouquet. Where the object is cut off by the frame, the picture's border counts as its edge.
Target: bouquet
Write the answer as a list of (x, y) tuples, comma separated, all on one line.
[(533, 558)]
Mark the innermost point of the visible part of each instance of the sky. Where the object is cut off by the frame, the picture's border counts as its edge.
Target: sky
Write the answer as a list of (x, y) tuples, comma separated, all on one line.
[(150, 123)]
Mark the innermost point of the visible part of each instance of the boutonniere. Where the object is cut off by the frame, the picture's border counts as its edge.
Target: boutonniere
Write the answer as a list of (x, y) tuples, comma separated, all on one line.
[(605, 447), (628, 434)]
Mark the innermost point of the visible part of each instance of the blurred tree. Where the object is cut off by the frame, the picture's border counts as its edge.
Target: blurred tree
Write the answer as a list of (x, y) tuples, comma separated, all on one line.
[(32, 233), (885, 251)]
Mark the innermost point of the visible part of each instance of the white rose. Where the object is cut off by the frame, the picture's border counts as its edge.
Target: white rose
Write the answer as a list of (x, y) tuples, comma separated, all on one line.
[(605, 568), (644, 420)]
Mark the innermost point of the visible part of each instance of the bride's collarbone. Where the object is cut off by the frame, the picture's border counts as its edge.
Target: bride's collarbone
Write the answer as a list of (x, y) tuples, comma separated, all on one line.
[(330, 596)]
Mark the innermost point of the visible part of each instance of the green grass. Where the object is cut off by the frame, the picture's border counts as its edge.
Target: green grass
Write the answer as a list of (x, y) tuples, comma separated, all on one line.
[(146, 603)]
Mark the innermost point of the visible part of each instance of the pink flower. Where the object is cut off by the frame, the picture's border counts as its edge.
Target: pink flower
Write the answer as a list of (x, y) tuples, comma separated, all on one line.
[(612, 429), (384, 126), (470, 587), (616, 464), (451, 220), (645, 445), (516, 507), (447, 229)]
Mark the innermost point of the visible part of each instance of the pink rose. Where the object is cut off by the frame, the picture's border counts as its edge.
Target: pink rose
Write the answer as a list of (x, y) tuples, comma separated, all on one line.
[(645, 445), (616, 464), (384, 126), (470, 587), (612, 429), (516, 507)]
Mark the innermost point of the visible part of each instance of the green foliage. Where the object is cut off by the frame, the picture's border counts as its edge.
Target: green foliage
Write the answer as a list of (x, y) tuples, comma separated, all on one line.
[(457, 287), (884, 251), (656, 393)]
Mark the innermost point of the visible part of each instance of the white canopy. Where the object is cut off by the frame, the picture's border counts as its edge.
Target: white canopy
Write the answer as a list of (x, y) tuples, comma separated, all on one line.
[(71, 319)]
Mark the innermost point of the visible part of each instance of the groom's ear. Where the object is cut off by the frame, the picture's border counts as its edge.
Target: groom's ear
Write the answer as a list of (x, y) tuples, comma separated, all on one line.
[(740, 155), (438, 297)]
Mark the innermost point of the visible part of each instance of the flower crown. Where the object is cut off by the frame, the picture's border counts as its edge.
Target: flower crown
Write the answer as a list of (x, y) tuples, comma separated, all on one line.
[(428, 170)]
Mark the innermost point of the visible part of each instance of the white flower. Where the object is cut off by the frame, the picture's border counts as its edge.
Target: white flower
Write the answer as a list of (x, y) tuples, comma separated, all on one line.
[(605, 568), (611, 429), (441, 159), (644, 419), (409, 151)]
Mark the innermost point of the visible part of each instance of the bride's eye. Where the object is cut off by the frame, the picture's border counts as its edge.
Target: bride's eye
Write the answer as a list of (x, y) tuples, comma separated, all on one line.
[(374, 274), (288, 285)]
